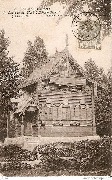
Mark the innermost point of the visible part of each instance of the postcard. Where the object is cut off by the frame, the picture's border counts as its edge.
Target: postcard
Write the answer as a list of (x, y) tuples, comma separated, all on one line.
[(55, 88)]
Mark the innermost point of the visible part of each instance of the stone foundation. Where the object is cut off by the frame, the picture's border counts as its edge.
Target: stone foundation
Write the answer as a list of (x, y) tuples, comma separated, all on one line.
[(28, 142), (64, 131)]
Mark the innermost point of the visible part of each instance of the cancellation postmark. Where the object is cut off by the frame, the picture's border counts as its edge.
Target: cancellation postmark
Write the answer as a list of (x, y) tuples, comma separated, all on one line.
[(86, 27)]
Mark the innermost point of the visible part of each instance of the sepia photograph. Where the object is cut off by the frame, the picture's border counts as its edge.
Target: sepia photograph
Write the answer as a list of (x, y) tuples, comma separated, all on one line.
[(55, 88)]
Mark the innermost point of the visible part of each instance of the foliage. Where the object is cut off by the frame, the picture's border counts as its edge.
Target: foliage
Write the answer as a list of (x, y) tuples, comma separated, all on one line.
[(15, 153), (9, 77), (84, 156), (103, 99), (14, 156), (94, 73), (56, 158), (103, 109), (9, 70), (35, 56), (101, 8)]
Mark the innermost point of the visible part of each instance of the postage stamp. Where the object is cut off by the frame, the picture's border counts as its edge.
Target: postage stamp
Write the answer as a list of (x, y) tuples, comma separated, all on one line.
[(86, 27)]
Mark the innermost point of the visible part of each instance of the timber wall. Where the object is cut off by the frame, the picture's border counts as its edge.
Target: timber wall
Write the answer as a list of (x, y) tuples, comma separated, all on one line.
[(52, 108), (61, 108)]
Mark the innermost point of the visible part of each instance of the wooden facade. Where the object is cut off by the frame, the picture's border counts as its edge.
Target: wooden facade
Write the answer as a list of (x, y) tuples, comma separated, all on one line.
[(66, 107), (65, 102), (63, 111)]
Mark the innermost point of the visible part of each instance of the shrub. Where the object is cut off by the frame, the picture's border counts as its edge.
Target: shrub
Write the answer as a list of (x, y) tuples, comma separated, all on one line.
[(82, 156), (86, 156)]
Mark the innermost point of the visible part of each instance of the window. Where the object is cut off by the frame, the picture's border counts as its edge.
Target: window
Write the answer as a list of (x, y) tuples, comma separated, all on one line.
[(79, 87)]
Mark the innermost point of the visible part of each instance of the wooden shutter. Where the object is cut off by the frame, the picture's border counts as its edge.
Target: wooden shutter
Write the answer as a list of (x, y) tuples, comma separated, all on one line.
[(72, 112), (77, 112), (68, 113), (88, 112), (60, 111), (83, 112), (55, 113)]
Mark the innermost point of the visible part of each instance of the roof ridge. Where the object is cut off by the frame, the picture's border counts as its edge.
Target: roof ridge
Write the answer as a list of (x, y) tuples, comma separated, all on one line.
[(47, 69)]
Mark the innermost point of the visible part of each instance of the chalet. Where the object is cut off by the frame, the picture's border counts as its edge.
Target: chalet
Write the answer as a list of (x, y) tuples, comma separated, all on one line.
[(56, 101)]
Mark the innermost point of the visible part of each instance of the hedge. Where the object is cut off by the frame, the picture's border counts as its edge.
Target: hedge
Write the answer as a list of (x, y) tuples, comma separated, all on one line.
[(83, 156)]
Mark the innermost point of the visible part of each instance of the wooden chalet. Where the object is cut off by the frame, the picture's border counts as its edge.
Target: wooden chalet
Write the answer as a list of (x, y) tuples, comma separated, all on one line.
[(57, 100)]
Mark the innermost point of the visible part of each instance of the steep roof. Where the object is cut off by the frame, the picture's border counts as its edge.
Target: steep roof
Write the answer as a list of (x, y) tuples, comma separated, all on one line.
[(46, 70)]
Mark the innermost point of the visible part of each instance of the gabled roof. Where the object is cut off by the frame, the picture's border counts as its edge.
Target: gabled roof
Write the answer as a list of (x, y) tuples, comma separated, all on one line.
[(46, 70)]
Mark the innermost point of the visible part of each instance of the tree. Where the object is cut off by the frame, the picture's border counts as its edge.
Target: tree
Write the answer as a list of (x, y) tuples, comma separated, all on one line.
[(35, 56), (9, 79), (103, 108), (103, 99), (94, 73)]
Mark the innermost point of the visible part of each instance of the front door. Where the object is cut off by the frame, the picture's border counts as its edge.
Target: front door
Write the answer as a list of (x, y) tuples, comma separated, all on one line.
[(28, 119)]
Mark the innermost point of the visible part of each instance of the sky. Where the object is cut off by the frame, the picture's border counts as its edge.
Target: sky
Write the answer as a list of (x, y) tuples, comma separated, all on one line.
[(21, 29)]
